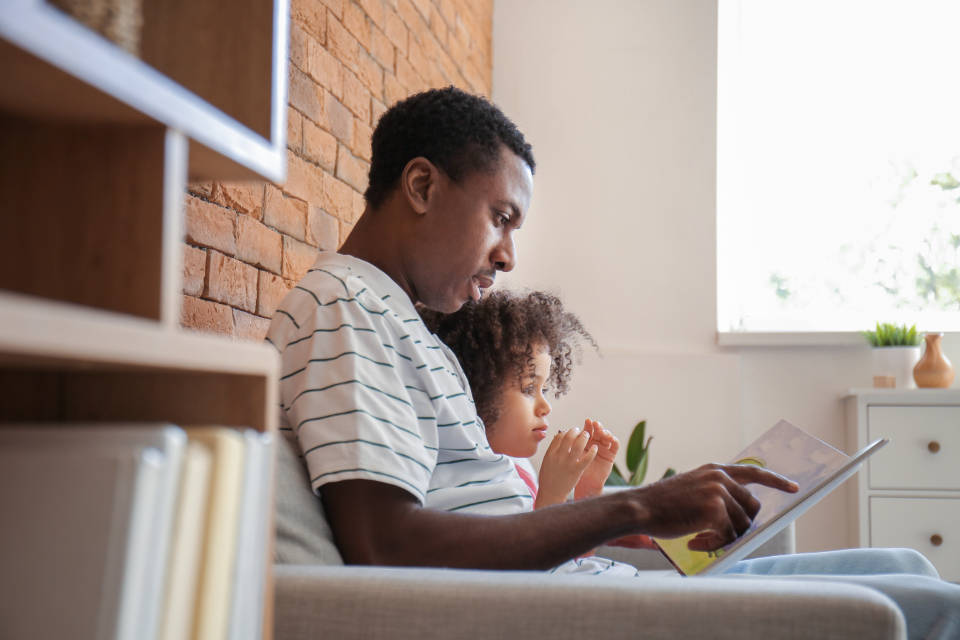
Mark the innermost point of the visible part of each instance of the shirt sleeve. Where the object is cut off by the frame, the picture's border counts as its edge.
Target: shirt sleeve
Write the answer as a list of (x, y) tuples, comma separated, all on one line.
[(344, 396)]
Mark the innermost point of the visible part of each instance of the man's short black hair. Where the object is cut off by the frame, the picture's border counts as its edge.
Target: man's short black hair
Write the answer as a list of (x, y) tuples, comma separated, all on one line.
[(458, 132)]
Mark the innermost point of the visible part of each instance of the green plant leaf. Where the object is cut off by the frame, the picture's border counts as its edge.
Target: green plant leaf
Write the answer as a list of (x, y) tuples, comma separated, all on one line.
[(891, 335), (669, 472), (635, 446), (945, 181), (641, 471), (615, 479)]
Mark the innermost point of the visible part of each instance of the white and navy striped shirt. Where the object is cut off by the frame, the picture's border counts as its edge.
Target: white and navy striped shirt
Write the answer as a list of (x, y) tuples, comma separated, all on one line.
[(370, 393)]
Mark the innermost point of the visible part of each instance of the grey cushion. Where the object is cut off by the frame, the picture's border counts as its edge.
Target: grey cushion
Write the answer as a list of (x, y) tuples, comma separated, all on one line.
[(303, 535)]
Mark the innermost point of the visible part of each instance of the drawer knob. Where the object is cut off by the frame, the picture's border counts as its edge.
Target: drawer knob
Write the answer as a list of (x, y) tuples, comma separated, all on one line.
[(936, 540), (933, 446)]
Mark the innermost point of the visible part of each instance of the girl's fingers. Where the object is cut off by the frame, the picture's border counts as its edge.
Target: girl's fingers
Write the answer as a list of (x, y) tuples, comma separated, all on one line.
[(587, 458)]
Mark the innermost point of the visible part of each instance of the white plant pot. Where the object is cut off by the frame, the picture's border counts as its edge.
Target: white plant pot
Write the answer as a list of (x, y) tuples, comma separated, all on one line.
[(895, 363)]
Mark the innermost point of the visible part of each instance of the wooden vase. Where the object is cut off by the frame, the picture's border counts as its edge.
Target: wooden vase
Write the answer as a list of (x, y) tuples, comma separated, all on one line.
[(934, 369)]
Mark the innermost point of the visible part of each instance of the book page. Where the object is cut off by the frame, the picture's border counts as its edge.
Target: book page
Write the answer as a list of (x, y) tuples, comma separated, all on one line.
[(785, 449)]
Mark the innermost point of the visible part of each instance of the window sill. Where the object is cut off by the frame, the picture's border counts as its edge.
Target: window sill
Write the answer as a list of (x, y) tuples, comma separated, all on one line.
[(791, 339)]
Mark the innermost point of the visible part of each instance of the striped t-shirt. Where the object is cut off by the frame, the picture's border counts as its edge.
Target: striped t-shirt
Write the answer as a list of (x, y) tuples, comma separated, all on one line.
[(370, 393)]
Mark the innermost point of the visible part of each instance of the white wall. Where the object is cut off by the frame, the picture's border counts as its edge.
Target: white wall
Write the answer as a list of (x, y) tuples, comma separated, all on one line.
[(618, 98)]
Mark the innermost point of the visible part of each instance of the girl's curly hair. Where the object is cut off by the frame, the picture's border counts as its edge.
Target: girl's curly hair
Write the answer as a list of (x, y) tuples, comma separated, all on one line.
[(494, 339)]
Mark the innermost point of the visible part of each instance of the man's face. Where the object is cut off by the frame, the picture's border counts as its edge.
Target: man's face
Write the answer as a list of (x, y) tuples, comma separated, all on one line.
[(468, 233)]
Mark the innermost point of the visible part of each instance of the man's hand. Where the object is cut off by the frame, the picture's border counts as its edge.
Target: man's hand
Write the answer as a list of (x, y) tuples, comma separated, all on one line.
[(563, 464), (711, 499), (591, 482)]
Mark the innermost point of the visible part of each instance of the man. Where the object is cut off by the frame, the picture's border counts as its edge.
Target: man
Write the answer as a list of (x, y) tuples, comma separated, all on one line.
[(380, 408)]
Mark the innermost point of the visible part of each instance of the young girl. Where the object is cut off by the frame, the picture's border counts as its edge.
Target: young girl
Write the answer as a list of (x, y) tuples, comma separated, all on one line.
[(516, 349)]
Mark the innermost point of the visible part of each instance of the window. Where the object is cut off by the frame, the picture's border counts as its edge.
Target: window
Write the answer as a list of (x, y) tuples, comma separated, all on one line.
[(838, 195)]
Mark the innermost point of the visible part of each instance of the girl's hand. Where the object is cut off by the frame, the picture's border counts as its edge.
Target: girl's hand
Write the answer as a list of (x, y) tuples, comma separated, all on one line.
[(607, 444), (563, 464)]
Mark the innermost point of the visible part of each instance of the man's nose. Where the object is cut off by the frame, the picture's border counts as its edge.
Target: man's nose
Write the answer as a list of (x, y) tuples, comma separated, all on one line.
[(505, 254)]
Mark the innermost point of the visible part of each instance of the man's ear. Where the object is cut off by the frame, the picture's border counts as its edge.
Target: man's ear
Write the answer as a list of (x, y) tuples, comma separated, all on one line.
[(418, 183)]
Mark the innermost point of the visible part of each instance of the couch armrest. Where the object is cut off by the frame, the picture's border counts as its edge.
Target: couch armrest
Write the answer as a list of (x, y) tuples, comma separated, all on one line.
[(398, 603), (781, 544)]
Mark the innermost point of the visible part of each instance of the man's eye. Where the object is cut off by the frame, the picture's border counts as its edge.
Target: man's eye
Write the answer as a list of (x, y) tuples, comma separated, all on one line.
[(503, 218)]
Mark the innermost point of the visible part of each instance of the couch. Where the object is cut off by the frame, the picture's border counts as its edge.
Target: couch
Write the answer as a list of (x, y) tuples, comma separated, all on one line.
[(317, 596)]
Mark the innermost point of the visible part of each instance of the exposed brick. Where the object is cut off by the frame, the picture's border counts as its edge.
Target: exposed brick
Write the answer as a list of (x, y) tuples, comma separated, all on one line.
[(210, 226), (319, 146), (377, 109), (439, 27), (374, 9), (323, 230), (408, 76), (423, 7), (312, 15), (339, 119), (204, 315), (345, 228), (204, 189), (335, 6), (448, 11), (355, 21), (305, 95), (381, 48), (324, 69), (351, 169), (258, 245), (457, 50), (272, 289), (396, 32), (304, 180), (362, 134), (249, 327), (299, 46), (416, 57), (243, 197), (342, 44), (355, 97), (194, 270), (231, 282), (393, 91), (359, 205), (371, 75), (297, 258), (337, 197), (287, 215), (294, 129)]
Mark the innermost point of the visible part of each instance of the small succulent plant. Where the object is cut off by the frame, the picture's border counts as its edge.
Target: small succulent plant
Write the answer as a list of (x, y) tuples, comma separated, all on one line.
[(891, 335)]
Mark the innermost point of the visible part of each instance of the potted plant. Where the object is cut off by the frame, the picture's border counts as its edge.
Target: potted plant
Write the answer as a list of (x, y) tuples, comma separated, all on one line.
[(638, 457), (896, 351)]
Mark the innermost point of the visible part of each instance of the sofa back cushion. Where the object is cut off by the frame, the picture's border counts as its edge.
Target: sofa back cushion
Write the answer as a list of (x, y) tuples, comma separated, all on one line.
[(303, 535)]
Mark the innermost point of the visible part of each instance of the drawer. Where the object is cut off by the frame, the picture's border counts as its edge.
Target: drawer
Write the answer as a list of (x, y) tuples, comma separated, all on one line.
[(924, 449), (912, 522)]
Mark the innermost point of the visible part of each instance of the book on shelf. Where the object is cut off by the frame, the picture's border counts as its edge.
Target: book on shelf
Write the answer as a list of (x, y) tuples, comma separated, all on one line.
[(187, 545), (246, 609), (89, 513), (216, 580), (788, 450)]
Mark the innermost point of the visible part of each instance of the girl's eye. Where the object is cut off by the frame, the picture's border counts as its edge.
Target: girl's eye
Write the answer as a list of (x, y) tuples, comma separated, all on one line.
[(545, 391), (528, 390)]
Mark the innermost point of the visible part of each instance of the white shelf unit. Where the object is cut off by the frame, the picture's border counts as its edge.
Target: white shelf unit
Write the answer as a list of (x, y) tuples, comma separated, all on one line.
[(909, 493), (96, 148)]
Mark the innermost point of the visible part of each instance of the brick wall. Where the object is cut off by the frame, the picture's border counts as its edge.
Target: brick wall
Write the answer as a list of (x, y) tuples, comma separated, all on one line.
[(248, 243)]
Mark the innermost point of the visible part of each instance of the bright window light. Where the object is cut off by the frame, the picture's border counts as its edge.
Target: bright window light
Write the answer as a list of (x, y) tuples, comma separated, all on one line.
[(838, 196)]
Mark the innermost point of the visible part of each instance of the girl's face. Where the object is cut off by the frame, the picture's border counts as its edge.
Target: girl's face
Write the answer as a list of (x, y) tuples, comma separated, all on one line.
[(522, 424)]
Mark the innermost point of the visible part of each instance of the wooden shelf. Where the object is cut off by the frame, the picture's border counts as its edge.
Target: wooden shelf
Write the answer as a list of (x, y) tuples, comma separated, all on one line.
[(65, 362), (40, 333), (54, 68)]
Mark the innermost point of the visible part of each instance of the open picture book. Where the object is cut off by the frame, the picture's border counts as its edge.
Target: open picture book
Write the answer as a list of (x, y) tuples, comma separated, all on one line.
[(810, 462)]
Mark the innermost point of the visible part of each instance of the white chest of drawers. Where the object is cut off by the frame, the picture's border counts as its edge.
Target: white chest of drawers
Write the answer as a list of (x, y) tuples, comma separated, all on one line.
[(908, 495)]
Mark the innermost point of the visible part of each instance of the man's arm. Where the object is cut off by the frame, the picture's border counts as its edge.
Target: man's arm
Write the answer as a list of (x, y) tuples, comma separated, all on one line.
[(376, 523)]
